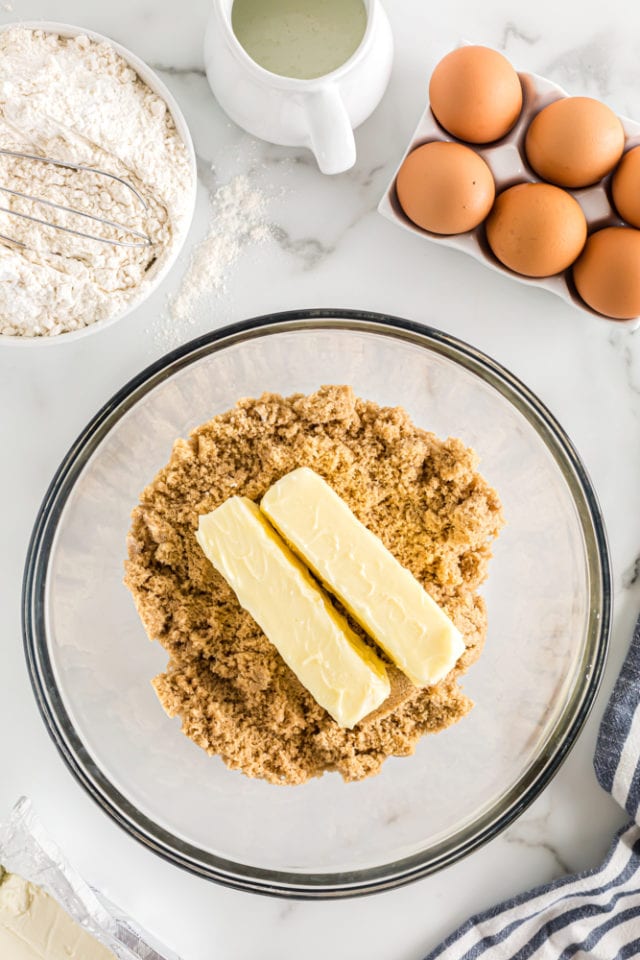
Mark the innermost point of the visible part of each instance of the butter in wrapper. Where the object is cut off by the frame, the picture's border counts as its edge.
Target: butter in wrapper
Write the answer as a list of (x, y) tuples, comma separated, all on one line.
[(35, 869)]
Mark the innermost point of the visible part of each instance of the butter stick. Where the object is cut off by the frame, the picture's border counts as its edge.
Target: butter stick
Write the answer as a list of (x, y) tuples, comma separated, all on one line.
[(380, 594), (34, 927), (338, 669)]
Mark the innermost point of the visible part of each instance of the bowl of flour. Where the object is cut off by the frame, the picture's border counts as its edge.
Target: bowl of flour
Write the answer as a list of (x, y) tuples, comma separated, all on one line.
[(77, 97)]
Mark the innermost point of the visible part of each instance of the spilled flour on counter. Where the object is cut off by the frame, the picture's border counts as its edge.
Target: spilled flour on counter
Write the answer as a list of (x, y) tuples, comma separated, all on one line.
[(236, 219)]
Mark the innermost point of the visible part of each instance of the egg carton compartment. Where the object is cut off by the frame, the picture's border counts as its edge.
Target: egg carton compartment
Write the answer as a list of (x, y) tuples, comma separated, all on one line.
[(507, 161)]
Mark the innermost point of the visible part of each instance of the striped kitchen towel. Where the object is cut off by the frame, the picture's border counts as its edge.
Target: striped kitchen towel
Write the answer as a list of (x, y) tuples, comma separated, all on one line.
[(594, 914)]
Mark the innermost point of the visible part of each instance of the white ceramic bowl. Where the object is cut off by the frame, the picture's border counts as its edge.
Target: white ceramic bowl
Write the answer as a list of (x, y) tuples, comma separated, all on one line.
[(152, 80)]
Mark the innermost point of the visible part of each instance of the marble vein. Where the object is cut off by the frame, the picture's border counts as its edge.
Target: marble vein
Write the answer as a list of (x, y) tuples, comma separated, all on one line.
[(512, 32), (632, 574), (630, 360), (532, 834), (584, 68), (308, 250), (624, 343), (189, 71), (560, 863), (206, 173)]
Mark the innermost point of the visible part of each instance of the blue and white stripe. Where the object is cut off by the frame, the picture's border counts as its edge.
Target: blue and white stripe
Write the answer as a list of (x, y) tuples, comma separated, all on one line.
[(617, 760), (593, 915)]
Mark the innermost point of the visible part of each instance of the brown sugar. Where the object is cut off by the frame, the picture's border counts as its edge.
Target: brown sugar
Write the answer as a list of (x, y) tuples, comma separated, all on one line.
[(234, 694)]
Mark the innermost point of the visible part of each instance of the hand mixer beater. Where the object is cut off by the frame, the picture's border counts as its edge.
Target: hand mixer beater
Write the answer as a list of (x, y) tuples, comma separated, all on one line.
[(121, 234)]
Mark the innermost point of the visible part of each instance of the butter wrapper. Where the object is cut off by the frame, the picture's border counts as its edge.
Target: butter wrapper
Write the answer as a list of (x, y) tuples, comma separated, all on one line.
[(26, 850)]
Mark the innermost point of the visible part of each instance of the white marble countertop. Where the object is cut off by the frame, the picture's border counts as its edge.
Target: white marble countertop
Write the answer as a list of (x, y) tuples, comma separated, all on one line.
[(328, 247)]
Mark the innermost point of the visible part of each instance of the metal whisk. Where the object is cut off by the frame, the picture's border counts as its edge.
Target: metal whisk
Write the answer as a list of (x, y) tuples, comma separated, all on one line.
[(141, 239)]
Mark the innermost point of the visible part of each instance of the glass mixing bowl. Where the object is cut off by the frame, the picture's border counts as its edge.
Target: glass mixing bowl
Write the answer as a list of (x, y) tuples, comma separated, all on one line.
[(548, 597)]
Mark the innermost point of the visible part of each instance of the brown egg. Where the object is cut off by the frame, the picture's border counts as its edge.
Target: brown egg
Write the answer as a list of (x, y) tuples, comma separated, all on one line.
[(445, 187), (574, 142), (607, 275), (536, 229), (625, 187), (475, 94)]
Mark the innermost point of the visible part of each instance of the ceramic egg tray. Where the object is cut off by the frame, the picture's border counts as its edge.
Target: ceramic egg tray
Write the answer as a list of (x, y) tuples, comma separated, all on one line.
[(508, 163)]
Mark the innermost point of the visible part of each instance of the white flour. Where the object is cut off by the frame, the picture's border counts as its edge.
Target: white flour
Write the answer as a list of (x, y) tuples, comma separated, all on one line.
[(236, 219), (78, 100)]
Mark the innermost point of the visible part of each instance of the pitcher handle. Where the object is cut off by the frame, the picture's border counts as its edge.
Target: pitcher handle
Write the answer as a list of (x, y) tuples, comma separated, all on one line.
[(330, 133)]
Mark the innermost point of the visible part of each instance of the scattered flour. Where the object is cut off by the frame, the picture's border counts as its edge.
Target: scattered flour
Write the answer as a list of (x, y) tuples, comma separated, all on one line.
[(236, 219), (77, 100)]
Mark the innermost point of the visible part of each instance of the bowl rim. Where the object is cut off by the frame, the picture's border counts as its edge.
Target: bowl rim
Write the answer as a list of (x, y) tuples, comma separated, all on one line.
[(152, 80), (490, 822)]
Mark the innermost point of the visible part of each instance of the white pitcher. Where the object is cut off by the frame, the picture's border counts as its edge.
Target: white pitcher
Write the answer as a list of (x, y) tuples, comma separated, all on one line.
[(320, 113)]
